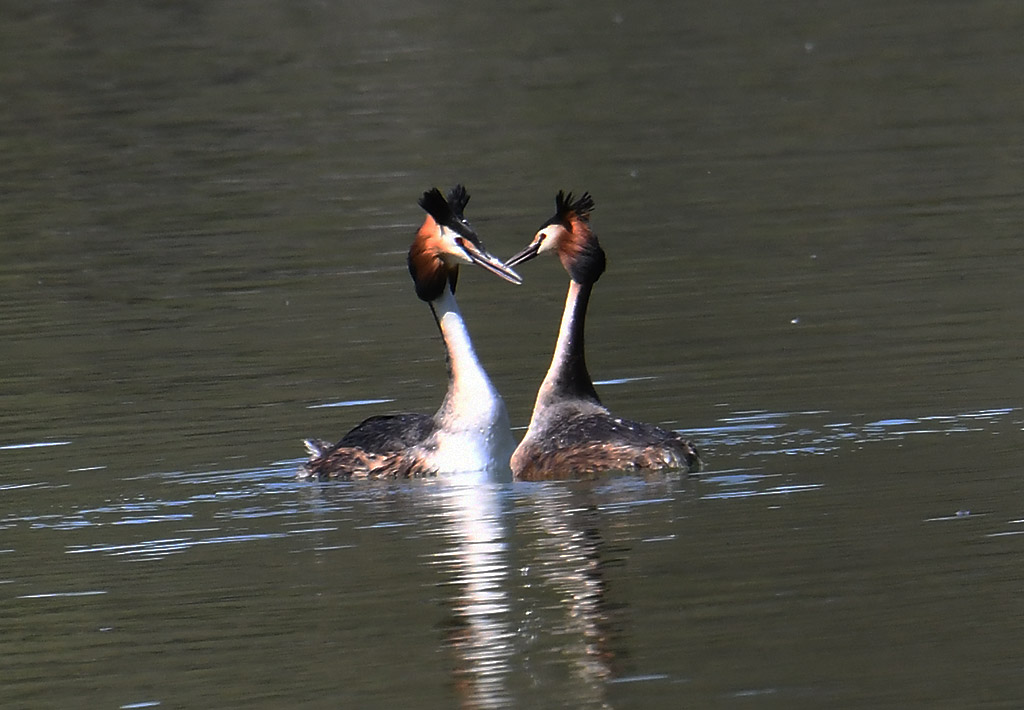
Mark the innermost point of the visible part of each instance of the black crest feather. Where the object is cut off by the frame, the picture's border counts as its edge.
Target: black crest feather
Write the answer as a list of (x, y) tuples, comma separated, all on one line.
[(436, 206), (458, 198), (446, 211), (566, 206)]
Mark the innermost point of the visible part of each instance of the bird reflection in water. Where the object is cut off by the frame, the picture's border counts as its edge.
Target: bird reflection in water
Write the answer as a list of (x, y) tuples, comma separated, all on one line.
[(568, 552), (481, 631), (524, 572), (528, 594)]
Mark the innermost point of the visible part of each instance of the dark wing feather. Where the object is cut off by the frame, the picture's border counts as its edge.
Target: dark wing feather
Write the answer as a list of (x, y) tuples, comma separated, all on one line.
[(374, 449), (597, 442), (606, 428), (389, 432)]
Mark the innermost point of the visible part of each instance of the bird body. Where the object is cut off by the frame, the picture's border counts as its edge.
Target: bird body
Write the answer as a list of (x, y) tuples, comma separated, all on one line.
[(470, 431), (571, 432)]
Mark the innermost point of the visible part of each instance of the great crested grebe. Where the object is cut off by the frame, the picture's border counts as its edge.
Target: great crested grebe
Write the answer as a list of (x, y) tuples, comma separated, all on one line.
[(570, 431), (470, 432)]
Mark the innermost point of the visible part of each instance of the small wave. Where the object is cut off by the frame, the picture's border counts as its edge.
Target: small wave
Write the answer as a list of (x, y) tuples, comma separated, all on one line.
[(33, 445), (61, 595), (349, 403), (811, 433)]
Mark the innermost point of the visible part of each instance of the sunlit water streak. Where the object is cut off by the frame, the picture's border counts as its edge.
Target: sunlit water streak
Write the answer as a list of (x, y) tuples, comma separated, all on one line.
[(349, 403), (33, 445), (57, 595)]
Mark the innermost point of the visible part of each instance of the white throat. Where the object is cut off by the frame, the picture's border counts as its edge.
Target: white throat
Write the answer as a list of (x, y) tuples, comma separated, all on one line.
[(566, 343), (474, 432), (567, 382)]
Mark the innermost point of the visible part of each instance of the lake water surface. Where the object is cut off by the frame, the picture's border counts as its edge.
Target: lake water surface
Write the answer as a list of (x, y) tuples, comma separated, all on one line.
[(812, 218)]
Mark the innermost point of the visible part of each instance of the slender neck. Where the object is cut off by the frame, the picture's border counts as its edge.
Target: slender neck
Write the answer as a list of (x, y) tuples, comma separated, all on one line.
[(567, 377), (467, 380)]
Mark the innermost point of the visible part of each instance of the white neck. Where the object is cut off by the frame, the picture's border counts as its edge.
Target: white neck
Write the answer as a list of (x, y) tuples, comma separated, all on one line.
[(567, 376), (474, 431), (566, 341)]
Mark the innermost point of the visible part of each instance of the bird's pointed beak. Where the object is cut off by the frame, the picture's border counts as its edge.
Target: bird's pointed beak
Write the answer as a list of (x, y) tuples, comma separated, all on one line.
[(531, 250), (481, 257)]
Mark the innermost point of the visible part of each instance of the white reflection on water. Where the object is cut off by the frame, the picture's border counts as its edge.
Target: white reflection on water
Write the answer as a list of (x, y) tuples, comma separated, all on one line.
[(58, 595), (481, 632), (33, 445), (349, 403)]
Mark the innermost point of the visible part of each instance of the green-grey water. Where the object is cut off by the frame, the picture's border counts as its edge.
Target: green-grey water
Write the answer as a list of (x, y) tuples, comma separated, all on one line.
[(812, 217)]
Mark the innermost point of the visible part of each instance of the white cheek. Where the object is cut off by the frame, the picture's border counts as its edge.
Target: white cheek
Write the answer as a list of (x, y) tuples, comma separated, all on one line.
[(453, 251), (546, 244)]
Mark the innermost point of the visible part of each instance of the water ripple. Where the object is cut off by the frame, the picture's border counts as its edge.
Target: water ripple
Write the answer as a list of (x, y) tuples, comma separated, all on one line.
[(221, 507), (810, 432), (33, 445), (156, 549)]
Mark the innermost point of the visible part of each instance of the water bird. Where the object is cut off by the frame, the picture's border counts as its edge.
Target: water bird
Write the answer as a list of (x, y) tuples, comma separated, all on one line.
[(470, 431), (571, 432)]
